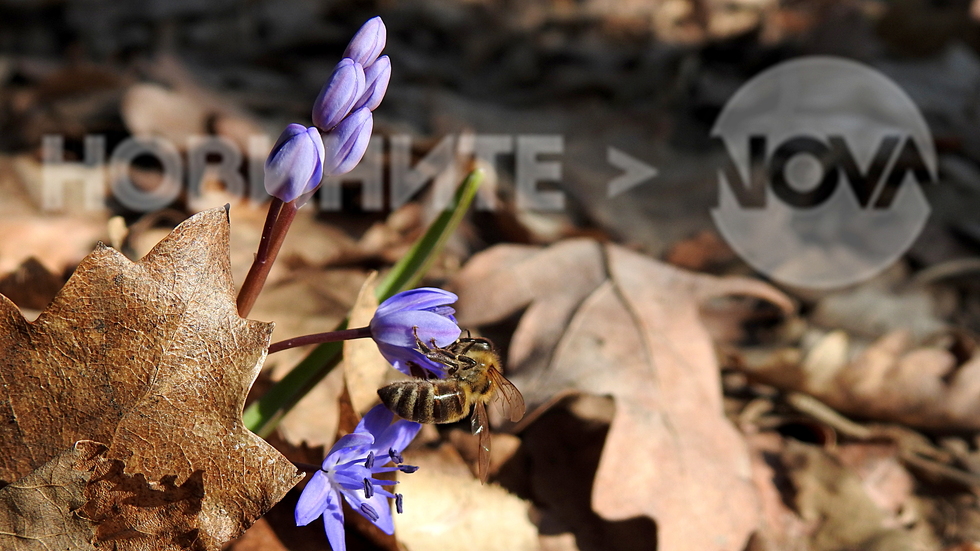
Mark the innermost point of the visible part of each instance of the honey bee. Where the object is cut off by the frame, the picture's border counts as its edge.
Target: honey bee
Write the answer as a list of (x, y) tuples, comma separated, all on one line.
[(473, 381)]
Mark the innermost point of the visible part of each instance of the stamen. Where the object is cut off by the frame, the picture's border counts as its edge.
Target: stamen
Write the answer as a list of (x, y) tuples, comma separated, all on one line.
[(395, 456), (369, 512), (369, 462), (368, 489), (408, 468), (398, 503)]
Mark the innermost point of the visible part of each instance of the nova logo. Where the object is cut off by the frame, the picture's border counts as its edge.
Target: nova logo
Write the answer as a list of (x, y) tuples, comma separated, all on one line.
[(822, 183)]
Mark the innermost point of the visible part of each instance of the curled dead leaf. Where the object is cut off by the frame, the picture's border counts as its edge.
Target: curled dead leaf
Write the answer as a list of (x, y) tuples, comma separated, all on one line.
[(152, 359)]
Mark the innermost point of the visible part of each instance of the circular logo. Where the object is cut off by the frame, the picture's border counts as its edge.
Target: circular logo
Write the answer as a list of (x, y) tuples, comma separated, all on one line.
[(822, 183)]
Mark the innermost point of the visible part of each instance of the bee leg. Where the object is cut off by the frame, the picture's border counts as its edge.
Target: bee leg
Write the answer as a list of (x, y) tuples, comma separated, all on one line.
[(466, 344), (436, 354), (439, 355), (421, 345), (418, 342)]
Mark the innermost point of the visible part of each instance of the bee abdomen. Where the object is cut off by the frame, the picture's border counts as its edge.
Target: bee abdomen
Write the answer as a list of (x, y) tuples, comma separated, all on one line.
[(424, 402)]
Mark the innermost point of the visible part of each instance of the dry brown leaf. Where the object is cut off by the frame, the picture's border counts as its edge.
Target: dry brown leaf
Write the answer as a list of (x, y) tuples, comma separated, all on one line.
[(885, 480), (833, 499), (447, 509), (604, 320), (780, 528), (308, 301), (152, 110), (365, 369), (57, 240), (555, 463), (259, 537), (151, 359), (891, 380), (224, 115), (42, 508)]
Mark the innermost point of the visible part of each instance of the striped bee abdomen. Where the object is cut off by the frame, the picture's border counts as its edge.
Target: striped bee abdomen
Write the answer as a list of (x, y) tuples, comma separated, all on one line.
[(424, 401)]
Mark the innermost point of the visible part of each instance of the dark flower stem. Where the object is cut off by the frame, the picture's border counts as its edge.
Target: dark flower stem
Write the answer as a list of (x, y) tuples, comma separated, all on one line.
[(320, 338), (270, 221), (277, 222)]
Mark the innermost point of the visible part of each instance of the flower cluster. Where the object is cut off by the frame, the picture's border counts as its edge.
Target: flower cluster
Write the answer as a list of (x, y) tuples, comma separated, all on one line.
[(342, 111), (348, 470), (299, 160)]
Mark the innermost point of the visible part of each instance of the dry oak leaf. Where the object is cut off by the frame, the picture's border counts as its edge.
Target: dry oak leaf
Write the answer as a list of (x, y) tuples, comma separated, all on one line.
[(152, 360), (604, 320)]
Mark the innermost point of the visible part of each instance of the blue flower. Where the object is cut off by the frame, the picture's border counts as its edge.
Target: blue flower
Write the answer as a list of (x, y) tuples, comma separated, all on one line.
[(426, 311), (295, 164), (349, 470)]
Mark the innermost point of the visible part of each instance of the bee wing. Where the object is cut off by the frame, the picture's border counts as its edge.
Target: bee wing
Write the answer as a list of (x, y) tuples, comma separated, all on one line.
[(507, 397), (481, 427)]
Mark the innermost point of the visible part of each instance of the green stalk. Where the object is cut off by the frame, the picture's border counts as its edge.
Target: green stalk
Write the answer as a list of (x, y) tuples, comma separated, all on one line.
[(262, 416)]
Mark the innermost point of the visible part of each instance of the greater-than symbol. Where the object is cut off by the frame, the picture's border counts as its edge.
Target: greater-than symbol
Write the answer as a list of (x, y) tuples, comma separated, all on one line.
[(636, 173)]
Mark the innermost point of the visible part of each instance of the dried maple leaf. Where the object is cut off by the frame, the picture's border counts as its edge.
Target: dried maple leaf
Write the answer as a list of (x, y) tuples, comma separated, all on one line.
[(604, 320), (152, 360)]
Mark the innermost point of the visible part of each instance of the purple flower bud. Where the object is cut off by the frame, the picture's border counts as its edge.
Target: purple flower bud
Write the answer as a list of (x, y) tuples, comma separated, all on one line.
[(376, 78), (295, 165), (368, 42), (337, 98), (347, 142)]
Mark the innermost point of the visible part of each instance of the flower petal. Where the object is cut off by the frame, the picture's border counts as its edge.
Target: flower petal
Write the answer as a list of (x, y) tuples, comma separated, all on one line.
[(379, 504), (367, 42), (350, 441), (346, 144), (357, 145), (397, 437), (313, 501), (295, 165), (422, 298), (399, 356), (376, 77), (333, 523), (346, 86), (396, 328), (375, 421)]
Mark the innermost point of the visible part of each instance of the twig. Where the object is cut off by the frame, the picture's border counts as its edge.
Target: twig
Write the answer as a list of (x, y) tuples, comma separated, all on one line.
[(822, 412)]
